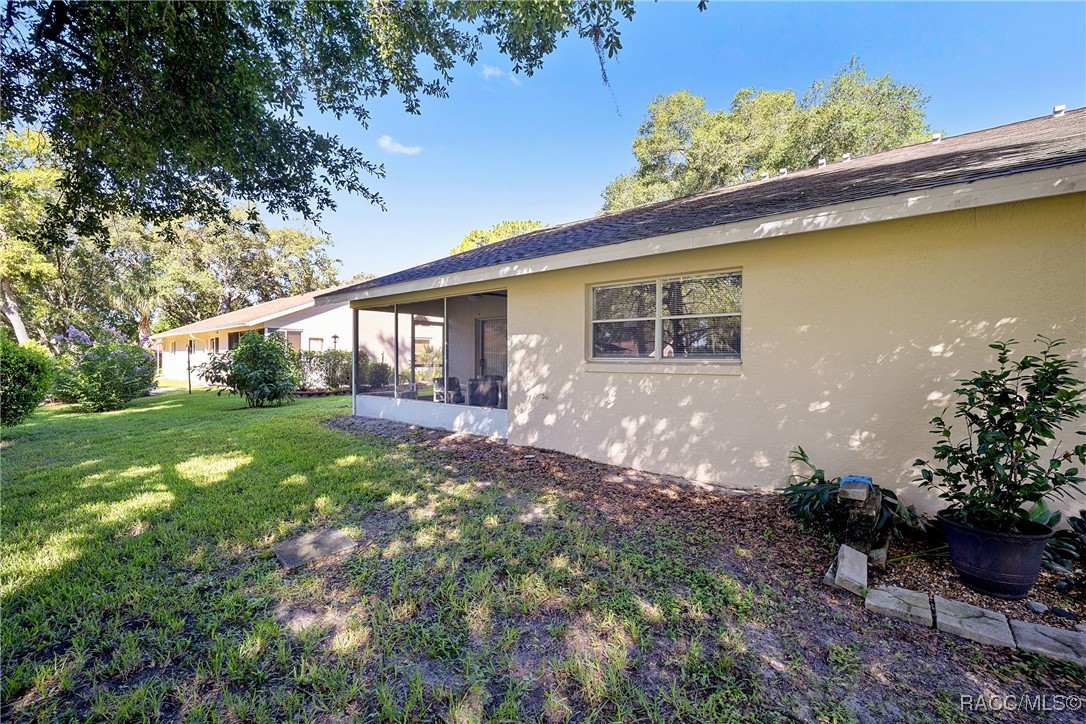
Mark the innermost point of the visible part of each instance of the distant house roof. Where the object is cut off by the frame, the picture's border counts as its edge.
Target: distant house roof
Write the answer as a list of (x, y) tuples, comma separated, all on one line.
[(1040, 143), (249, 316)]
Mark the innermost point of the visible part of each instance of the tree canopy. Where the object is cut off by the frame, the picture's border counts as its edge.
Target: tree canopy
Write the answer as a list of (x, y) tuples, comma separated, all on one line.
[(683, 147), (144, 278), (169, 109), (502, 230)]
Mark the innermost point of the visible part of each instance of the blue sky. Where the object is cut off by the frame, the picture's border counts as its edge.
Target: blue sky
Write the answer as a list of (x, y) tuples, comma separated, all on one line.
[(504, 147)]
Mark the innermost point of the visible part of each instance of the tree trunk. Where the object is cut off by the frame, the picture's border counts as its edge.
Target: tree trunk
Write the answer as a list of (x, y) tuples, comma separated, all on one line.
[(10, 308), (145, 328)]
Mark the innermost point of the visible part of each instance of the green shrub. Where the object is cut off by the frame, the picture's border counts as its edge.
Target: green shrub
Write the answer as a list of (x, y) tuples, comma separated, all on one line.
[(330, 369), (259, 369), (105, 376), (380, 374), (1004, 464), (335, 368), (307, 366), (26, 374), (362, 373)]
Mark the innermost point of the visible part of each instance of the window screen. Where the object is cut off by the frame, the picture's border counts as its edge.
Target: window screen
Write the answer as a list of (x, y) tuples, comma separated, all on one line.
[(695, 317)]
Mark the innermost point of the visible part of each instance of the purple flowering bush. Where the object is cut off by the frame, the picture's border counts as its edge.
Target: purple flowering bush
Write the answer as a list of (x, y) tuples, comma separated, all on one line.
[(103, 375)]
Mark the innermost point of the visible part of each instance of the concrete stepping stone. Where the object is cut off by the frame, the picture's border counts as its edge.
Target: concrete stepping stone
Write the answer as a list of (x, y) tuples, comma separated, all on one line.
[(851, 570), (911, 606), (1055, 643), (973, 622), (312, 547)]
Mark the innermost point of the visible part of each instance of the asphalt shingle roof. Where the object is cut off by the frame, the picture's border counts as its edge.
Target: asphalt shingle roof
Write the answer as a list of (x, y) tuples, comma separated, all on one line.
[(248, 315), (1016, 148)]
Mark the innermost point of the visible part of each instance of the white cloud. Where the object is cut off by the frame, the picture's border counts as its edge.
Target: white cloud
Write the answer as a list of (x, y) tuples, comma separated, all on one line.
[(387, 143), (490, 72)]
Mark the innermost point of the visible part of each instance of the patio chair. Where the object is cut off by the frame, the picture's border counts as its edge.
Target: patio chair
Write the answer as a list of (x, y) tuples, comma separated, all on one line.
[(456, 396)]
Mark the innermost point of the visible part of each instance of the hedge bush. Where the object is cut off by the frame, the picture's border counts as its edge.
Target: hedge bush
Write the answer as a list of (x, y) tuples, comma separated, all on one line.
[(26, 375), (330, 369), (379, 374)]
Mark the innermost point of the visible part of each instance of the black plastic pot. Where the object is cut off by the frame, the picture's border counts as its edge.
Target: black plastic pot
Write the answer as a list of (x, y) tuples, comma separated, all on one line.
[(1004, 565)]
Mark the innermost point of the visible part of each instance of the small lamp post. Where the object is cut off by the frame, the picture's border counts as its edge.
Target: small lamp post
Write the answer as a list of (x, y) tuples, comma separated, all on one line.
[(335, 339)]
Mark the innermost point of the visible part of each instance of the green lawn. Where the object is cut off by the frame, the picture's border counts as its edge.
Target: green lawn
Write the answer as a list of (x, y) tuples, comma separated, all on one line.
[(138, 583)]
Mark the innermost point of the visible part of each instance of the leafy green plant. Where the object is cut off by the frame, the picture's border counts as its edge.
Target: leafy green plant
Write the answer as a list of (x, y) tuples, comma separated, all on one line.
[(1006, 463), (259, 369), (26, 374), (380, 374), (334, 368), (1066, 551), (104, 375), (329, 369), (304, 363), (812, 498)]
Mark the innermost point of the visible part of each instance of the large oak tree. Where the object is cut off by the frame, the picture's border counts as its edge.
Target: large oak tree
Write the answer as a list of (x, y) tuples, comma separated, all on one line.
[(683, 147), (167, 109)]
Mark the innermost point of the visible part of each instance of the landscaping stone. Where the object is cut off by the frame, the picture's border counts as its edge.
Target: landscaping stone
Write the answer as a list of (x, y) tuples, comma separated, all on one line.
[(1036, 607), (313, 546), (830, 579), (877, 556), (1064, 613), (853, 490), (1056, 643), (911, 606), (851, 570), (972, 622), (860, 519)]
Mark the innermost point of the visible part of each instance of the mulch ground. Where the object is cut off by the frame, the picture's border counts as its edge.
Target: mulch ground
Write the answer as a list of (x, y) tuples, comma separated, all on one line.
[(753, 535)]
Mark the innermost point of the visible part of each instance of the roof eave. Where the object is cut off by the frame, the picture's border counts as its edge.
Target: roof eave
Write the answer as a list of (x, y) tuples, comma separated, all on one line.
[(179, 331), (996, 189)]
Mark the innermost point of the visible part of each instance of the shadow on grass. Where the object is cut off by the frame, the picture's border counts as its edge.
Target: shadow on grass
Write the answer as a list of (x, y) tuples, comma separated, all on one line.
[(139, 582)]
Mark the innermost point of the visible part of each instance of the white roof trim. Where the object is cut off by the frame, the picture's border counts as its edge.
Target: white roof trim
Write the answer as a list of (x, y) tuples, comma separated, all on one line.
[(238, 325), (952, 197)]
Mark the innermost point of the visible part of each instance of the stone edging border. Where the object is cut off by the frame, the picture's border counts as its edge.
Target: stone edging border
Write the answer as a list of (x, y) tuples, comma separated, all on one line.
[(849, 572)]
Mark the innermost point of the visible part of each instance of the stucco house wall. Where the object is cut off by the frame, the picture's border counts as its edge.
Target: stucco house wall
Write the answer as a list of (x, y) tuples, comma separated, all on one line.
[(376, 340), (852, 340)]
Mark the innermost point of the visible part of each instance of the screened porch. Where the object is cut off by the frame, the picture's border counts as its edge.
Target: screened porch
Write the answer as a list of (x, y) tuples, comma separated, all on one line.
[(448, 368)]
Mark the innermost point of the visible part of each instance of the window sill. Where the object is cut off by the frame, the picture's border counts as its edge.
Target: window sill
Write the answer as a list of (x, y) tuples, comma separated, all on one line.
[(720, 368)]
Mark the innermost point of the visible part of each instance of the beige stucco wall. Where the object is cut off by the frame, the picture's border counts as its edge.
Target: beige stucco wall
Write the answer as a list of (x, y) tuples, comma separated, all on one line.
[(852, 338), (376, 336)]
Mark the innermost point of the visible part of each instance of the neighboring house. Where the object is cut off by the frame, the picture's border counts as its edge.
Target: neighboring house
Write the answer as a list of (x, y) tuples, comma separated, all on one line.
[(707, 336), (305, 326)]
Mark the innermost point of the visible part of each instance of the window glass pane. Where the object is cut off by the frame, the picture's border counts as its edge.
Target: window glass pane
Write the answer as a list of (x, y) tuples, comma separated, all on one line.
[(629, 301), (623, 339), (702, 337), (717, 294)]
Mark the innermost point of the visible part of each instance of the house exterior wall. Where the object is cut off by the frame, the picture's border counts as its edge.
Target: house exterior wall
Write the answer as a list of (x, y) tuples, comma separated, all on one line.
[(853, 339), (321, 323), (175, 364), (316, 322)]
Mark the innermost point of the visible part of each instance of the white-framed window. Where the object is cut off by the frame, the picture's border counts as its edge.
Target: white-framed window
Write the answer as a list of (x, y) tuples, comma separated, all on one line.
[(683, 317), (316, 344), (215, 345)]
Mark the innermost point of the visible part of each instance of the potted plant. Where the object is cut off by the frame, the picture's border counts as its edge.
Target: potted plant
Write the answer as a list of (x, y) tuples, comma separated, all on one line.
[(999, 474)]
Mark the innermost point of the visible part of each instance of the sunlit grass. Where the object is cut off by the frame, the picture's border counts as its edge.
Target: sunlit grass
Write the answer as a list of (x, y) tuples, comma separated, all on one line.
[(138, 582)]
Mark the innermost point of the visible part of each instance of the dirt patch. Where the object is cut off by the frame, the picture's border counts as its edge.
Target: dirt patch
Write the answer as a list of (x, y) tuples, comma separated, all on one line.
[(797, 634), (936, 575)]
